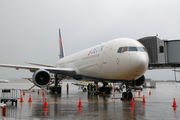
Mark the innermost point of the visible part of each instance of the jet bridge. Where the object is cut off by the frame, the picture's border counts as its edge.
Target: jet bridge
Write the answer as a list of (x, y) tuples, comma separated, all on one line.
[(162, 53)]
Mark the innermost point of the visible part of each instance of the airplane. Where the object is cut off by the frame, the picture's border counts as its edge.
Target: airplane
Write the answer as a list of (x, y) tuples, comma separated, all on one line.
[(118, 60), (4, 81)]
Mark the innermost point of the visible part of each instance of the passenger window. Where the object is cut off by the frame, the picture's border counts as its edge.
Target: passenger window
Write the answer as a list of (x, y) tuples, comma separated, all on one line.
[(132, 48), (161, 49)]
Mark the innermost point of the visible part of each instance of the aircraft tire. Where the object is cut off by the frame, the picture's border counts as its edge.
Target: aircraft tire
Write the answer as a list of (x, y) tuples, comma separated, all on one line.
[(129, 95), (124, 95), (52, 90), (59, 90)]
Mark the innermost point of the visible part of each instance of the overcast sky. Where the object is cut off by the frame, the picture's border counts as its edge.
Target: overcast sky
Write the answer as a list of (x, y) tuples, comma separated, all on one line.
[(29, 28)]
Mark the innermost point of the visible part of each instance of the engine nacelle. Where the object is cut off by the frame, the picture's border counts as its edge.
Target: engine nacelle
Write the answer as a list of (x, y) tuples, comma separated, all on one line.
[(41, 78), (138, 82)]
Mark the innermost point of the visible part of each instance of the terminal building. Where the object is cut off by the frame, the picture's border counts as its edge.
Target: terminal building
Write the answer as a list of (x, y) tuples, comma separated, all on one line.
[(162, 53)]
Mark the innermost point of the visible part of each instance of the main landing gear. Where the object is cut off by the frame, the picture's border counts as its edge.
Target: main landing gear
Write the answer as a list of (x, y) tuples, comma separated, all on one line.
[(56, 89), (105, 89), (128, 94)]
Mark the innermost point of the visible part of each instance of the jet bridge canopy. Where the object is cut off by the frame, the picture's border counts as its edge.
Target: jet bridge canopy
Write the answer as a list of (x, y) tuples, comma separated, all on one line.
[(162, 53)]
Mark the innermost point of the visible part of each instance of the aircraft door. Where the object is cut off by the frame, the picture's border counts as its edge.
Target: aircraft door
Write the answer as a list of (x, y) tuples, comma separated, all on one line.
[(106, 54)]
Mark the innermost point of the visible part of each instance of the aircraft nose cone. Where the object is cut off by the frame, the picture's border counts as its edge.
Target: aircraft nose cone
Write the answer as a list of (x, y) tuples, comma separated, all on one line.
[(139, 62)]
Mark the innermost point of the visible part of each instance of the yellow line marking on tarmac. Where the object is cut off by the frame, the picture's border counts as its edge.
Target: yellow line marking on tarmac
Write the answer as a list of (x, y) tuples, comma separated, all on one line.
[(133, 97)]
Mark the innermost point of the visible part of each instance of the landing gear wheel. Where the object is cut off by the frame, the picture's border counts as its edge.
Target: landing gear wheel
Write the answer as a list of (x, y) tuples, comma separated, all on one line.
[(129, 95), (124, 96), (16, 102), (59, 90), (107, 90), (52, 90)]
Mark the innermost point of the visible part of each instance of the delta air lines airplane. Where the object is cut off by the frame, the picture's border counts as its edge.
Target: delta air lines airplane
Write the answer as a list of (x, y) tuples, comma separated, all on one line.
[(119, 60)]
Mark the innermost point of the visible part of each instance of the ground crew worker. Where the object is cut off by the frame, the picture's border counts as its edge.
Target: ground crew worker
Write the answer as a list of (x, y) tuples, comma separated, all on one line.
[(110, 86), (67, 88), (88, 87)]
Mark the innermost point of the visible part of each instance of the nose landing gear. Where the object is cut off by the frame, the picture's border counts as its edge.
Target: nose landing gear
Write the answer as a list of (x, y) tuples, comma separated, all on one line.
[(128, 94)]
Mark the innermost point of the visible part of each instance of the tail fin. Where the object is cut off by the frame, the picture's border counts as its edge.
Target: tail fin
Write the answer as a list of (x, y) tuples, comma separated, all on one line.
[(61, 46)]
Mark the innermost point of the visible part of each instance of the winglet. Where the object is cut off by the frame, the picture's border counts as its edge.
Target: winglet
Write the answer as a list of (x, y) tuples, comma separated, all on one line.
[(61, 46)]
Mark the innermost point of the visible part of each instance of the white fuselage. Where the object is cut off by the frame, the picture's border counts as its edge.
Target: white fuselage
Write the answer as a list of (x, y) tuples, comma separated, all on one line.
[(105, 62)]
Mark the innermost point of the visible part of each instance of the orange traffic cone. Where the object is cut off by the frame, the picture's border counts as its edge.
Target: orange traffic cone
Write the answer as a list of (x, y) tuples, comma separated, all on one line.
[(21, 100), (23, 92), (119, 91), (132, 102), (30, 98), (143, 99), (174, 103), (139, 93), (79, 105), (149, 92), (45, 103), (38, 91), (43, 93)]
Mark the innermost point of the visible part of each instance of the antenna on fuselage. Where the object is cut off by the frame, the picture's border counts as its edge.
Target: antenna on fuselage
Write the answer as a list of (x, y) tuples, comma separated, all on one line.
[(61, 55)]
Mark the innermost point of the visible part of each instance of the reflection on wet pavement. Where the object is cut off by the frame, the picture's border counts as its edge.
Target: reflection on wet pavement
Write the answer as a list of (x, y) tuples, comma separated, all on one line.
[(158, 105)]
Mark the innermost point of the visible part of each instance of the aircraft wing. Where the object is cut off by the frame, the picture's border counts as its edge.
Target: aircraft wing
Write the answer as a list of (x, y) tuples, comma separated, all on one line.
[(39, 64), (63, 71)]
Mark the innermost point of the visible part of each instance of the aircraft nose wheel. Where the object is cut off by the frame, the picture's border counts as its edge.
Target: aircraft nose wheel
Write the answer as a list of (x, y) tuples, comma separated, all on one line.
[(127, 95)]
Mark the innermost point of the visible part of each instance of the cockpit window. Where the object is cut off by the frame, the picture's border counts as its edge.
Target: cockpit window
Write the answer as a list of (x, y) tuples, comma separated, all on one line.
[(124, 49), (119, 50), (141, 49), (133, 49)]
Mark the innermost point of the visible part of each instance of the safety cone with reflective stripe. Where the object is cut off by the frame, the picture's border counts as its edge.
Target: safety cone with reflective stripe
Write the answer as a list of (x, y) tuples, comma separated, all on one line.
[(79, 105), (45, 103), (132, 102), (174, 103), (143, 99), (21, 100), (30, 98)]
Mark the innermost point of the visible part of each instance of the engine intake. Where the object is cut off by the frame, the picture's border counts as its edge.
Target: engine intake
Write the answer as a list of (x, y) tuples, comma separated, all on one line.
[(41, 78)]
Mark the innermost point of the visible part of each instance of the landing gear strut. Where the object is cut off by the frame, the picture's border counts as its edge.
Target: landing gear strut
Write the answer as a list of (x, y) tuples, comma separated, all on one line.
[(56, 88), (128, 94)]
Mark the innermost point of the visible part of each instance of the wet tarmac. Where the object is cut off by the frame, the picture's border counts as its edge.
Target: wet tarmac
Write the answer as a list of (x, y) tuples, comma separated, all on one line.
[(158, 105)]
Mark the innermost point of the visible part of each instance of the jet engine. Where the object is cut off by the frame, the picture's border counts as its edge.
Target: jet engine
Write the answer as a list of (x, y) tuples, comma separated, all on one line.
[(41, 78), (138, 82)]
